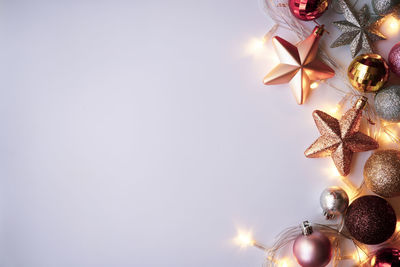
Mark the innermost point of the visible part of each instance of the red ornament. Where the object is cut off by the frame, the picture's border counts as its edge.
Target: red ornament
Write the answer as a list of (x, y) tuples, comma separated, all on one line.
[(308, 9), (386, 257)]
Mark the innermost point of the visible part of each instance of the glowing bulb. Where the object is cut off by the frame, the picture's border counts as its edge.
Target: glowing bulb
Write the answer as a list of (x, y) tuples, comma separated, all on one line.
[(283, 263), (391, 25), (255, 46), (359, 255), (314, 85), (244, 239)]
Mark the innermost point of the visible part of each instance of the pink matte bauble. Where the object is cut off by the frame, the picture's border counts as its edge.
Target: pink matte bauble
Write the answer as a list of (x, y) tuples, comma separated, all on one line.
[(394, 59), (386, 257), (312, 250), (308, 9)]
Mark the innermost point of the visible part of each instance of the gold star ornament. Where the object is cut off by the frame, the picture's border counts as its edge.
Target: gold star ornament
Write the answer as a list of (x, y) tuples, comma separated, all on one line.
[(341, 138), (299, 65)]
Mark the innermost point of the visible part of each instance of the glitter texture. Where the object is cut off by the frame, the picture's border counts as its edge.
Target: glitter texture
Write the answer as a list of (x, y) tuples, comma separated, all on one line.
[(341, 138), (359, 29), (299, 65), (370, 220), (382, 173), (308, 9), (387, 103), (394, 59), (384, 7), (368, 72)]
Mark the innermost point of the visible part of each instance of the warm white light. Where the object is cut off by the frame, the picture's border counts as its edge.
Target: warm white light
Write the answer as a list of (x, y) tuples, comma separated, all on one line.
[(283, 263), (359, 255), (244, 239), (391, 25), (314, 85), (255, 45)]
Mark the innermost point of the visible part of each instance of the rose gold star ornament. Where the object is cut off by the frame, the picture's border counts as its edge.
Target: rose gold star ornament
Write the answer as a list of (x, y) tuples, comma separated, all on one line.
[(341, 138), (299, 65)]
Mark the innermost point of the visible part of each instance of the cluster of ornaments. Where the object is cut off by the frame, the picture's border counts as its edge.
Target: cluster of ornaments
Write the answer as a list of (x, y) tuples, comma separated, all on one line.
[(369, 219)]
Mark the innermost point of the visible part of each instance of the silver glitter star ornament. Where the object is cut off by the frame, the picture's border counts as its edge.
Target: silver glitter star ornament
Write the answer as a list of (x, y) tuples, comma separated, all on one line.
[(359, 30)]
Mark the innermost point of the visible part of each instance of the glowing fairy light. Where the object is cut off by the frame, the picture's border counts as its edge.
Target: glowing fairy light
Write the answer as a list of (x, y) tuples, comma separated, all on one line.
[(391, 25), (359, 256), (244, 239), (314, 85), (283, 263)]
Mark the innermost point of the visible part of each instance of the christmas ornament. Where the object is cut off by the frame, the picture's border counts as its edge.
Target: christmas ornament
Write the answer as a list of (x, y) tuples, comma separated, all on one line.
[(384, 7), (312, 248), (308, 9), (341, 138), (299, 65), (394, 59), (368, 72), (334, 201), (386, 257), (370, 220), (382, 173), (387, 103), (359, 29)]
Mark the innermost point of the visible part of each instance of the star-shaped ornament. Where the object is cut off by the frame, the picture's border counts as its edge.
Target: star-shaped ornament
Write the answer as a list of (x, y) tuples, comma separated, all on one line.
[(299, 65), (359, 29), (341, 138)]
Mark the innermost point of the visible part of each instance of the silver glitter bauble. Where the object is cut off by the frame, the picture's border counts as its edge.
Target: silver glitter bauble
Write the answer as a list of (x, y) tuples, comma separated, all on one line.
[(387, 103), (334, 201), (384, 7)]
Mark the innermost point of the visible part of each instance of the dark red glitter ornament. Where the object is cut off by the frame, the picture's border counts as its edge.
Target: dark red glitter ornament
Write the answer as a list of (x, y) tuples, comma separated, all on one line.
[(308, 9), (386, 257), (370, 220)]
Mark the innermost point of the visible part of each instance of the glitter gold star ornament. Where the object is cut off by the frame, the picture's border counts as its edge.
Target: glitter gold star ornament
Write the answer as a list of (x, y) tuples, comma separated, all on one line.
[(359, 30), (299, 65), (341, 138)]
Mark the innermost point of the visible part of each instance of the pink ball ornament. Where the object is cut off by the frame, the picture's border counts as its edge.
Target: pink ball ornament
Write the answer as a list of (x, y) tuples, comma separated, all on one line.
[(394, 59), (308, 9), (386, 257), (312, 248)]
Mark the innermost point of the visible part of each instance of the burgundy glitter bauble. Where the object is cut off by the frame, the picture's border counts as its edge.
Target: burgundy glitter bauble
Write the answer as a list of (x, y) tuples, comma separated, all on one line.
[(312, 250), (386, 257), (394, 59), (308, 9), (370, 220)]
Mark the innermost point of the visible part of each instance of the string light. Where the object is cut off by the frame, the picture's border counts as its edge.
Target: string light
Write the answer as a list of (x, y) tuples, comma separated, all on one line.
[(244, 239), (314, 85), (390, 25)]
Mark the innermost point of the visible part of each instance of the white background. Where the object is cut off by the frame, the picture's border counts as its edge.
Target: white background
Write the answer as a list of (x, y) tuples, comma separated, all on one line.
[(139, 133)]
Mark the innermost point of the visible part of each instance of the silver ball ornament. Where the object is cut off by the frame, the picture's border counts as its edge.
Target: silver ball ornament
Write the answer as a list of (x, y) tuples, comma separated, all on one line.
[(334, 201), (387, 103), (384, 7)]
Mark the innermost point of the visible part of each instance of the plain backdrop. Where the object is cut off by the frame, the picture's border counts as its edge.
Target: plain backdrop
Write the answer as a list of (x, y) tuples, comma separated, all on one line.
[(139, 133)]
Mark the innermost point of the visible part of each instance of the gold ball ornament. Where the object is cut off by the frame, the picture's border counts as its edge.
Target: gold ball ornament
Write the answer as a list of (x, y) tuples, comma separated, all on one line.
[(368, 72), (382, 173)]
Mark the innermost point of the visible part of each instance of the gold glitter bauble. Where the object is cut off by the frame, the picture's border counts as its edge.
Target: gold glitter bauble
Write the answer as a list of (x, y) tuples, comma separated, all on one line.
[(382, 173), (368, 72)]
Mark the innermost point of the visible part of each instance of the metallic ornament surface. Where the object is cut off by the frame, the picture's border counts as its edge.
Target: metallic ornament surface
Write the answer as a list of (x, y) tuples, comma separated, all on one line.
[(368, 72), (308, 9), (370, 220), (387, 103), (299, 65), (384, 7), (334, 201), (312, 248), (382, 173), (359, 30), (341, 138), (394, 59), (386, 257)]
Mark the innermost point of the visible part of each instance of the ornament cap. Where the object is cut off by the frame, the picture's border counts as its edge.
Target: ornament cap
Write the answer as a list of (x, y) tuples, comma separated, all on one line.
[(306, 228), (319, 30), (361, 102)]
